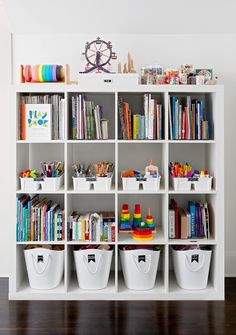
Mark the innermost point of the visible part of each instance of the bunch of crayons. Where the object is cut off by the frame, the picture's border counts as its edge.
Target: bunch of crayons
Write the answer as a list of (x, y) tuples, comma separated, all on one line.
[(178, 170), (103, 168), (100, 169), (79, 170), (52, 169)]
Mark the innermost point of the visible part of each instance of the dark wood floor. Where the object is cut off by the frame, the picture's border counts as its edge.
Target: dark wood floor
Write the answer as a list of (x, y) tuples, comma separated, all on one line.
[(124, 317)]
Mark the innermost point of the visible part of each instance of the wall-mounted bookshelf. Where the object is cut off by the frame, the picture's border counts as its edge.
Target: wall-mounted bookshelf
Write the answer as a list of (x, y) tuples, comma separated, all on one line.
[(125, 154)]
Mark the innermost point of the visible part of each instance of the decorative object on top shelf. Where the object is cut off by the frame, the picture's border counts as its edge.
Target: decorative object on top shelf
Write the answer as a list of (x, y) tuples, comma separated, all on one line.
[(98, 55), (43, 73), (127, 69), (157, 75)]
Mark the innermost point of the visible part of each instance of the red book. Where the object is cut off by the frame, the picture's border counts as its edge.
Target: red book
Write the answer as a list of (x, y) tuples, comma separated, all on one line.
[(183, 125), (186, 122)]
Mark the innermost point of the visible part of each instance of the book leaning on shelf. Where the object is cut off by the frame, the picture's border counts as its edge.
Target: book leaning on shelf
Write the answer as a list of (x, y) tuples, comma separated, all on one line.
[(92, 227), (191, 221), (42, 117), (187, 119), (87, 120), (38, 220), (146, 125)]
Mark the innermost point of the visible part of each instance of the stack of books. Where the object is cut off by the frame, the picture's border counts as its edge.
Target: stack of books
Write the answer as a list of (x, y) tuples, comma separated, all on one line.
[(87, 120), (187, 119), (38, 220), (148, 125), (57, 121), (92, 227), (189, 222)]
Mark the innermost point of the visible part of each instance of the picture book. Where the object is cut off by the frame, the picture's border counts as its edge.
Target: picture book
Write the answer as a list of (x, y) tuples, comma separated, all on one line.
[(38, 122)]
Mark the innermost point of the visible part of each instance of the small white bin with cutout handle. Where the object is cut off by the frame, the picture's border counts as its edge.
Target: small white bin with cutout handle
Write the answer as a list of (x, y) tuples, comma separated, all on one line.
[(151, 184), (29, 185), (139, 268), (52, 184), (44, 267), (203, 184), (181, 184), (130, 184), (103, 183), (192, 268), (81, 184), (93, 268)]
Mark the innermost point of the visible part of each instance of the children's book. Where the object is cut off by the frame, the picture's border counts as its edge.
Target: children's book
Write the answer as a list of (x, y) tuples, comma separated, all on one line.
[(38, 122)]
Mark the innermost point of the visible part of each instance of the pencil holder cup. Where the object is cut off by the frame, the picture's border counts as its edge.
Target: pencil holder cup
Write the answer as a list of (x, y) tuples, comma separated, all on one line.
[(29, 185), (203, 184), (181, 184), (103, 183), (81, 184), (52, 184), (152, 184), (130, 184)]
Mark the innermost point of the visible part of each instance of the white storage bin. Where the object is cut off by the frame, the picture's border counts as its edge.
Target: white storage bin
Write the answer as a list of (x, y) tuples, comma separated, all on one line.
[(52, 184), (29, 185), (152, 184), (192, 268), (44, 267), (203, 184), (93, 268), (103, 183), (130, 184), (139, 268), (81, 184), (95, 80), (181, 184)]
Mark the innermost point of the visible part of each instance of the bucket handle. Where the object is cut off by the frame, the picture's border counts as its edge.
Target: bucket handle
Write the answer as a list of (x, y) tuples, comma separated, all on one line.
[(148, 257), (87, 264), (46, 257), (188, 263)]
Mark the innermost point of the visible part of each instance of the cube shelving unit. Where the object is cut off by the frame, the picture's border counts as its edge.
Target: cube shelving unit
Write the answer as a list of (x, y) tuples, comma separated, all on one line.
[(126, 154)]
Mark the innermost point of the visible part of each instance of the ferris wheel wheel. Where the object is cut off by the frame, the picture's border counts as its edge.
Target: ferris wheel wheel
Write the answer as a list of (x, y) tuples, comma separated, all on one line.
[(98, 55)]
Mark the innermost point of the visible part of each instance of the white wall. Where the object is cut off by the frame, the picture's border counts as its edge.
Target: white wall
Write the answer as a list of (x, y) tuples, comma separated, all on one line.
[(216, 50), (5, 61)]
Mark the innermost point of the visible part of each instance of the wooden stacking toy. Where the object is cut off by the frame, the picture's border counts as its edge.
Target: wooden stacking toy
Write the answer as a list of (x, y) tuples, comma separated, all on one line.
[(125, 218), (142, 233), (137, 216), (149, 220)]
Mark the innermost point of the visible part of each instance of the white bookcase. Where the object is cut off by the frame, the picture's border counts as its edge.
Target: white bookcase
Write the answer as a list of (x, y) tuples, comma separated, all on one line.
[(126, 155)]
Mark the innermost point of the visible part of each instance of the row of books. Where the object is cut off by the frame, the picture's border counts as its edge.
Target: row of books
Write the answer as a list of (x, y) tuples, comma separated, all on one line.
[(87, 120), (38, 220), (146, 125), (187, 119), (92, 227), (56, 121), (189, 222)]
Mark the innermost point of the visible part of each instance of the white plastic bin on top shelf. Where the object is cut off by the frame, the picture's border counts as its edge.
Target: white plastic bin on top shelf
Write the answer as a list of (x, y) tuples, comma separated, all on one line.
[(139, 268), (181, 184), (81, 184), (103, 183), (44, 267), (151, 184), (130, 184), (203, 184), (192, 268), (93, 268), (52, 184), (29, 185)]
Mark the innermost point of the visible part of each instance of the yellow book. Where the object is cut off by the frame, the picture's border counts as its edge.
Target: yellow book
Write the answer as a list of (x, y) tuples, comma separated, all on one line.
[(83, 230), (135, 126)]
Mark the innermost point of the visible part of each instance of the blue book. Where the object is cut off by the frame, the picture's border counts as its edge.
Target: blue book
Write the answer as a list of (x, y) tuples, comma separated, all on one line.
[(173, 101), (192, 212)]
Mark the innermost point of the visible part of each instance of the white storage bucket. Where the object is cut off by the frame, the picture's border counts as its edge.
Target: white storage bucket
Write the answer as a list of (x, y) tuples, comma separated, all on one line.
[(130, 184), (44, 267), (203, 184), (81, 184), (29, 185), (181, 184), (93, 268), (152, 184), (139, 268), (192, 268), (102, 183), (52, 184)]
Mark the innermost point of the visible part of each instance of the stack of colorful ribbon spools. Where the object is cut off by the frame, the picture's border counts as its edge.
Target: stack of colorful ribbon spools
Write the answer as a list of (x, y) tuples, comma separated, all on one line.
[(43, 73)]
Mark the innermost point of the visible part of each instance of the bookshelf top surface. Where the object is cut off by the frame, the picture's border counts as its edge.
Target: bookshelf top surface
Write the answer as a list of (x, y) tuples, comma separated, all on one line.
[(60, 88)]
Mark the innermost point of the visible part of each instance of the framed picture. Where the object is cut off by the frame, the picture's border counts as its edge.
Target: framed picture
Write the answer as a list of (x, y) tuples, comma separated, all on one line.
[(38, 122)]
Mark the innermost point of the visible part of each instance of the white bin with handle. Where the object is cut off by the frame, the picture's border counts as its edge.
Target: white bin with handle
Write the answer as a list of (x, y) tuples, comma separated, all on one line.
[(93, 268), (139, 268), (44, 267), (192, 268)]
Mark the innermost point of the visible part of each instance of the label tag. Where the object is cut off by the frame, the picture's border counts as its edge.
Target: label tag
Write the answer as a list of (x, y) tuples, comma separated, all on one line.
[(91, 258), (40, 259), (195, 258), (142, 258)]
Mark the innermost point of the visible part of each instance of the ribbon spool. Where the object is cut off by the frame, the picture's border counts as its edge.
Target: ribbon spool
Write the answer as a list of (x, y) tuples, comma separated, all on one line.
[(44, 73)]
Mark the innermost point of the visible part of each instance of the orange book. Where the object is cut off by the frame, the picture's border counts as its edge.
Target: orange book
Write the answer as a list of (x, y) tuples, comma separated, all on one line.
[(23, 121)]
